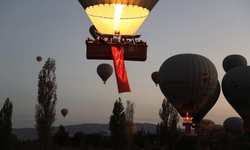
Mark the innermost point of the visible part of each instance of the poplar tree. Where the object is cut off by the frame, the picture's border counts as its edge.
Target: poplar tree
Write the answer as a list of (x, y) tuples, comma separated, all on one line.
[(116, 124), (45, 113), (168, 125), (6, 125)]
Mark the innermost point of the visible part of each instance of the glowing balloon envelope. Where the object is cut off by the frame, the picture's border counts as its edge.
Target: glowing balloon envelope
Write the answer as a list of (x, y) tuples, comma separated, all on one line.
[(104, 71), (64, 112), (187, 81), (39, 58), (232, 61), (122, 16), (154, 77)]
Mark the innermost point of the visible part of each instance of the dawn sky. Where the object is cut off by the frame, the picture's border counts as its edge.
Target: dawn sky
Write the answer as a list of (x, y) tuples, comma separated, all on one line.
[(58, 29)]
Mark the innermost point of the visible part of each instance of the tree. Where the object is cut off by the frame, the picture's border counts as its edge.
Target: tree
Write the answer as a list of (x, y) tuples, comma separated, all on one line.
[(6, 125), (168, 125), (129, 117), (61, 137), (45, 113), (116, 123)]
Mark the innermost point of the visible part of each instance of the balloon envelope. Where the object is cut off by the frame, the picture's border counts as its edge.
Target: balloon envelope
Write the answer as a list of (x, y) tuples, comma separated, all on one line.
[(232, 61), (124, 16), (104, 71), (208, 105), (234, 125), (216, 130), (64, 112), (187, 81), (236, 89), (39, 58), (154, 77)]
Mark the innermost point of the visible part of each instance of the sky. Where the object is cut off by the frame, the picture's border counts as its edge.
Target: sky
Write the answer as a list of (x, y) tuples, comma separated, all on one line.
[(58, 29)]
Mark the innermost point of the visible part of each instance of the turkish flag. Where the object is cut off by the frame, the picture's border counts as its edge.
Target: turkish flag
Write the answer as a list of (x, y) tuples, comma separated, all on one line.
[(120, 70)]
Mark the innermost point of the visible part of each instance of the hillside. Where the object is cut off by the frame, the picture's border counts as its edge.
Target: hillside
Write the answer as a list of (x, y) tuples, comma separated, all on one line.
[(85, 128)]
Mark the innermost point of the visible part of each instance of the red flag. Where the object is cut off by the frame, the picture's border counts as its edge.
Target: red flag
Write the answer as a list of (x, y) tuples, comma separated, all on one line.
[(120, 70)]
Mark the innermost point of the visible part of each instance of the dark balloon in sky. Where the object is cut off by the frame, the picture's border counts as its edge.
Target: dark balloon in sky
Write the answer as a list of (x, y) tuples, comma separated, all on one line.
[(64, 112), (234, 125), (208, 105), (236, 89), (154, 77), (232, 61), (39, 58), (104, 71), (188, 81)]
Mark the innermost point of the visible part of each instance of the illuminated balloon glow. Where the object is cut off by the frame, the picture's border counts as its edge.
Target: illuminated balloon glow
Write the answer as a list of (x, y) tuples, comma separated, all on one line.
[(118, 16), (188, 81)]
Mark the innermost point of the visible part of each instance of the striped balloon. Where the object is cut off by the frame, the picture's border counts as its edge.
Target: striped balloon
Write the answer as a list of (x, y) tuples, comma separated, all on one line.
[(234, 125)]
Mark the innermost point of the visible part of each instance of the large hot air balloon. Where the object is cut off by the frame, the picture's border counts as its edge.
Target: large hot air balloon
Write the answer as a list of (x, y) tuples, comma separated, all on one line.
[(232, 61), (234, 125), (39, 58), (206, 108), (64, 112), (104, 71), (118, 20), (154, 77), (187, 81), (236, 89), (205, 125)]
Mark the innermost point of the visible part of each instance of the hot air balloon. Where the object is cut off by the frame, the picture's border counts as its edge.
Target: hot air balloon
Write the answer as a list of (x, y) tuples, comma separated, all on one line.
[(232, 61), (64, 112), (39, 58), (104, 71), (154, 77), (93, 31), (118, 20), (130, 128), (205, 125), (216, 131), (187, 81), (234, 125), (236, 89), (206, 108)]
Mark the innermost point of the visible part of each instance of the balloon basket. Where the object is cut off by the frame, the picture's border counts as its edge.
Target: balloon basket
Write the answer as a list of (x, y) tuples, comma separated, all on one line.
[(132, 52)]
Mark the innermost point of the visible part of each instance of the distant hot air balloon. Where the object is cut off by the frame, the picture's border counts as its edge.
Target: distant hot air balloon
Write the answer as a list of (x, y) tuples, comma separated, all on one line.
[(236, 89), (188, 81), (234, 125), (92, 31), (216, 131), (154, 77), (39, 58), (205, 125), (232, 61), (130, 128), (104, 71), (64, 112), (206, 108)]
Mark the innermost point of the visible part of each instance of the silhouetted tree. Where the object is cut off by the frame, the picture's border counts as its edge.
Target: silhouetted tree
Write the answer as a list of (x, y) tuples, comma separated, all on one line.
[(45, 113), (6, 125), (168, 125), (61, 136), (116, 124)]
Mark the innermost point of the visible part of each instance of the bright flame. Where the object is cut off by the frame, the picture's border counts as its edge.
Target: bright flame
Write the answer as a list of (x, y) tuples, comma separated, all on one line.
[(118, 13)]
